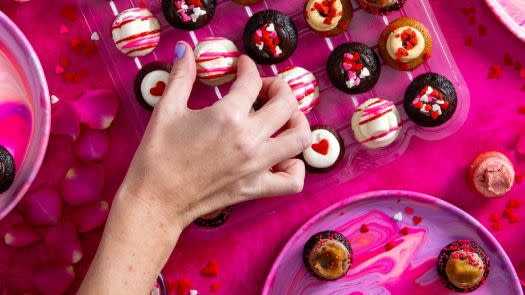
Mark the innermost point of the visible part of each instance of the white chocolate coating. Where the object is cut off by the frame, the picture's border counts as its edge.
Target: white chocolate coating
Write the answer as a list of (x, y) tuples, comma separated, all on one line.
[(318, 160), (216, 61), (304, 87), (376, 123), (316, 21), (393, 43), (149, 81), (136, 32)]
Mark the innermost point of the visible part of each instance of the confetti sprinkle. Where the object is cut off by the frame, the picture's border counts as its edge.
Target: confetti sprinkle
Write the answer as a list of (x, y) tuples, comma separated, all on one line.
[(409, 210), (63, 29), (194, 292), (417, 220), (519, 178), (494, 217), (214, 287), (398, 216), (64, 62), (211, 269), (364, 228), (471, 20), (495, 72), (54, 99), (496, 226), (389, 246), (59, 70), (404, 231), (183, 286), (95, 36)]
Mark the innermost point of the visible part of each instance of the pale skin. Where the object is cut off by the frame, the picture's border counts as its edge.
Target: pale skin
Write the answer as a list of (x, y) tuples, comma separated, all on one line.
[(192, 162)]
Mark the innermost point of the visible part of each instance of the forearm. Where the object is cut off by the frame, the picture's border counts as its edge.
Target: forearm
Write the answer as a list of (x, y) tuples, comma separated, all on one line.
[(137, 241)]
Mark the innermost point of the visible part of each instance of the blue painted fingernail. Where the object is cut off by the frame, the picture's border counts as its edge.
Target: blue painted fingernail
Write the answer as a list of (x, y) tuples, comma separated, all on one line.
[(180, 49)]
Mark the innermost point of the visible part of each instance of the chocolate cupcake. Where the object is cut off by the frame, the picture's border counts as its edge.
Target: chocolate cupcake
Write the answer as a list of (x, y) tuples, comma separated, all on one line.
[(304, 87), (463, 266), (269, 37), (405, 44), (430, 100), (328, 17), (188, 15), (150, 83), (353, 67), (216, 59), (381, 7), (7, 169), (215, 218), (326, 151), (247, 2), (327, 255)]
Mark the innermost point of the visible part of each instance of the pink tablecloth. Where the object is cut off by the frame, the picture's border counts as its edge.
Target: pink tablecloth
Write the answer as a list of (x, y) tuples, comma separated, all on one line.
[(246, 253)]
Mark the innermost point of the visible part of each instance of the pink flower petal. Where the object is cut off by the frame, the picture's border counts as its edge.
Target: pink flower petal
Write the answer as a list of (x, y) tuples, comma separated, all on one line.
[(42, 206), (62, 243), (83, 184), (21, 235), (97, 108), (59, 157), (53, 279), (92, 145), (90, 217), (64, 119)]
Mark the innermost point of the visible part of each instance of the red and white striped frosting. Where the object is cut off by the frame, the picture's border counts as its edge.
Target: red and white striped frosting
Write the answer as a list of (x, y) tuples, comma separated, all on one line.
[(136, 31), (216, 60), (376, 123), (304, 86)]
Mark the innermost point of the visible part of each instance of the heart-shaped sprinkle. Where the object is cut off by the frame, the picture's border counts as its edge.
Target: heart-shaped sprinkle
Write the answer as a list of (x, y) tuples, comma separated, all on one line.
[(321, 147), (211, 269), (159, 88), (398, 217), (444, 105), (417, 220), (364, 228), (63, 29), (409, 210), (59, 70), (404, 231), (54, 99), (95, 36), (389, 246), (434, 115)]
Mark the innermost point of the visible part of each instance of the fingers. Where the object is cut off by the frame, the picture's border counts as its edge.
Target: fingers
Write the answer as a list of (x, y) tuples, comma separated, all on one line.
[(286, 178), (247, 85), (182, 77), (291, 142), (278, 109)]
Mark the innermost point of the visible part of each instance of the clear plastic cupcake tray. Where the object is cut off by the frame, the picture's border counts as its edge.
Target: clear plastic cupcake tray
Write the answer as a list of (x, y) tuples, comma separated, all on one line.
[(335, 108)]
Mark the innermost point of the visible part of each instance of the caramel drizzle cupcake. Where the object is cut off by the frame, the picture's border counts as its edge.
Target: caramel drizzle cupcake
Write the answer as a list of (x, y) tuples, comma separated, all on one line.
[(328, 17), (405, 44)]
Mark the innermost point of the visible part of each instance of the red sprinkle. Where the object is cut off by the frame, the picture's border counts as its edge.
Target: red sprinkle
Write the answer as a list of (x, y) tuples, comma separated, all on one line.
[(508, 212), (214, 287), (69, 76), (482, 30), (496, 226), (211, 269), (364, 228), (507, 60), (494, 217), (321, 147), (143, 4), (389, 246), (514, 218), (417, 220), (183, 286), (471, 20), (404, 231), (64, 62), (427, 55), (519, 178), (514, 203), (69, 12), (468, 41), (409, 210), (495, 72)]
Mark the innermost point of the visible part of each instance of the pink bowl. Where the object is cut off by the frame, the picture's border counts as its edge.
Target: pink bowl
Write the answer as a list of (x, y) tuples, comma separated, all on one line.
[(16, 45)]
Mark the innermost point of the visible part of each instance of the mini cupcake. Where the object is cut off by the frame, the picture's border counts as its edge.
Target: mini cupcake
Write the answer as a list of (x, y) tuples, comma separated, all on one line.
[(381, 7), (150, 83), (215, 218), (304, 87), (430, 100), (269, 37), (7, 169), (216, 60), (405, 44), (376, 123), (463, 266), (328, 17), (247, 2), (491, 174), (353, 68), (188, 15), (136, 31), (326, 151), (327, 255)]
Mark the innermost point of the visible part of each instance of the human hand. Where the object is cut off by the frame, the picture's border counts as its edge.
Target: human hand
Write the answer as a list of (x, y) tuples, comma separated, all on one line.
[(192, 162)]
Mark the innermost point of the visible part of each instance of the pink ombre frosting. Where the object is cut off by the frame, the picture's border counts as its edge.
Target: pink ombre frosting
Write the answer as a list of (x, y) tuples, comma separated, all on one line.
[(16, 118)]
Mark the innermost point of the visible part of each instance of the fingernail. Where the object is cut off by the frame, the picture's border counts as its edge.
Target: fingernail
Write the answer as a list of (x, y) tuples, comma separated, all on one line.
[(180, 49)]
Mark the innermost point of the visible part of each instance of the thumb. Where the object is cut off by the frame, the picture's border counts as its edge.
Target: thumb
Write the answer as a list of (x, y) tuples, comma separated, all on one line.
[(182, 76)]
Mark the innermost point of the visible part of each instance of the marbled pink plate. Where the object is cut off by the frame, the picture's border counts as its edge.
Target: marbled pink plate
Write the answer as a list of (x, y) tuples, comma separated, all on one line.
[(409, 268), (511, 13)]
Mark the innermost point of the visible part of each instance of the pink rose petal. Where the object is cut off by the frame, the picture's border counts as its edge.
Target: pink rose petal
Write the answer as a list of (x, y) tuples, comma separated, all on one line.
[(42, 206), (64, 119), (62, 243), (90, 217), (83, 184), (53, 279), (92, 145), (97, 108), (59, 157), (21, 235)]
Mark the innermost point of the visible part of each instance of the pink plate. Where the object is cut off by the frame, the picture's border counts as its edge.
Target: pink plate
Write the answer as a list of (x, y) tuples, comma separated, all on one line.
[(408, 268), (511, 13)]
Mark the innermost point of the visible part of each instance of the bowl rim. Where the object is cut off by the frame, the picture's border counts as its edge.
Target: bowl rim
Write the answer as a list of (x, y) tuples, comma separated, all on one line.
[(12, 29)]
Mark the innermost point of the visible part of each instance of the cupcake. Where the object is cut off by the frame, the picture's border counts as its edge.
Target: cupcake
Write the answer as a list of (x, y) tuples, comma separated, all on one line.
[(216, 60), (188, 15), (328, 17), (430, 100), (405, 44), (326, 151), (7, 169), (463, 266), (150, 83), (215, 218), (381, 7), (136, 31), (269, 37), (491, 174), (376, 123), (327, 255), (304, 87), (353, 68), (247, 2)]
